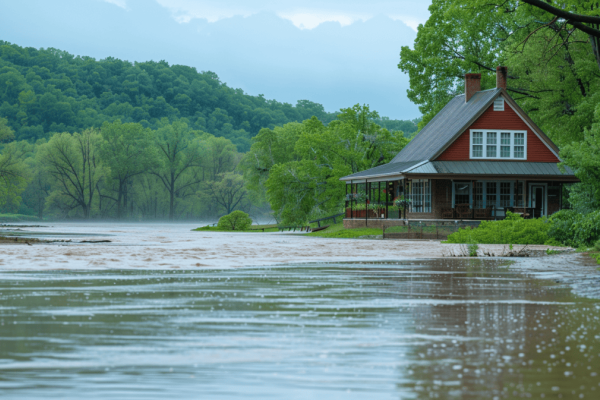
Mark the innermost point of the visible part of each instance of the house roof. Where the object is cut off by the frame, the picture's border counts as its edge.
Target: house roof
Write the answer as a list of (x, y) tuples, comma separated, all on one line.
[(446, 126), (385, 170), (487, 168), (511, 169), (456, 117)]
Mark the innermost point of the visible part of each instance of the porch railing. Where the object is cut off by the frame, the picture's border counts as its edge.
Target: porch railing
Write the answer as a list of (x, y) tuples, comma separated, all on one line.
[(426, 230)]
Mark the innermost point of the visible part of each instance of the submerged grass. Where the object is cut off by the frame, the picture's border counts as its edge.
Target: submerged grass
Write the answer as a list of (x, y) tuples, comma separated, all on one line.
[(253, 228), (333, 231), (338, 231)]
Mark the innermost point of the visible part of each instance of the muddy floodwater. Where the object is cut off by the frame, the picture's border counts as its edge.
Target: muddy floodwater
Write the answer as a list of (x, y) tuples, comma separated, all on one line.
[(465, 329)]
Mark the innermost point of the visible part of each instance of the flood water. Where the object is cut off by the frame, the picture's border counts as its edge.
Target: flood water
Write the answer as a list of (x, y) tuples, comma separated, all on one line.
[(467, 329)]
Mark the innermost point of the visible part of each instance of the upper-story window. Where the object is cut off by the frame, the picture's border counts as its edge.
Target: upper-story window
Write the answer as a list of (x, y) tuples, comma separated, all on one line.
[(499, 104), (498, 145)]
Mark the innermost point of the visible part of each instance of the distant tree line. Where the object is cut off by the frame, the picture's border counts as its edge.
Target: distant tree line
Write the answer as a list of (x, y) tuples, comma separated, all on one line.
[(81, 138), (43, 91)]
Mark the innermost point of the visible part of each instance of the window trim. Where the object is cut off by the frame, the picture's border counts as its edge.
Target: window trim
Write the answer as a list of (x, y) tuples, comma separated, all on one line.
[(498, 144)]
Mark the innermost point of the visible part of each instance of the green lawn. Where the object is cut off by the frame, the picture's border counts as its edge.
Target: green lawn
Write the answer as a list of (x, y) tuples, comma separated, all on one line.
[(338, 231), (334, 231), (253, 228)]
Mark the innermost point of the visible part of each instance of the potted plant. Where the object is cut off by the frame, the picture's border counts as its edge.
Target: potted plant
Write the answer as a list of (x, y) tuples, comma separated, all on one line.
[(402, 204)]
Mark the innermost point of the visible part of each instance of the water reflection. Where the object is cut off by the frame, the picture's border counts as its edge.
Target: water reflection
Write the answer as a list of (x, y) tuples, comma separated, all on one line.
[(427, 329)]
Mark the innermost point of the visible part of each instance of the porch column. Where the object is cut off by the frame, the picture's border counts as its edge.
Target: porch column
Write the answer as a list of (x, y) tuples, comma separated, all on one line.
[(387, 199), (351, 200), (378, 195), (367, 187), (346, 201)]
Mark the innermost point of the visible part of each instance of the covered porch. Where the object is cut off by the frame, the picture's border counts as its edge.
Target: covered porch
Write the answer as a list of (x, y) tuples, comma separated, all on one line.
[(456, 190), (452, 199)]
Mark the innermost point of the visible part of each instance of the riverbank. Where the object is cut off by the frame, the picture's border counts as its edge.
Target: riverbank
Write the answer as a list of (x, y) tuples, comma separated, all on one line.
[(174, 246)]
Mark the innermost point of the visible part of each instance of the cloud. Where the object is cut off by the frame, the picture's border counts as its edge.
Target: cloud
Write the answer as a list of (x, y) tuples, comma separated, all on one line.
[(118, 3), (307, 14), (310, 20)]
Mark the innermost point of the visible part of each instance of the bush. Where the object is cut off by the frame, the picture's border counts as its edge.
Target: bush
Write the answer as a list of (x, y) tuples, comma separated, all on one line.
[(236, 221), (512, 230), (574, 229)]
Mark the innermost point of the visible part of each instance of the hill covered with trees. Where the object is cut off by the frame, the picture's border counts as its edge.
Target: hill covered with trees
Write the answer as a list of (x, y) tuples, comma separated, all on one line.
[(43, 91), (86, 138)]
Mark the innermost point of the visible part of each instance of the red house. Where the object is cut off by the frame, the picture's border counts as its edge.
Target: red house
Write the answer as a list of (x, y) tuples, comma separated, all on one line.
[(480, 156)]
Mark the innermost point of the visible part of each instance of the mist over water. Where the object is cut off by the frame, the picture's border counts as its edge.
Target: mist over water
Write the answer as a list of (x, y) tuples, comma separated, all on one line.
[(443, 328)]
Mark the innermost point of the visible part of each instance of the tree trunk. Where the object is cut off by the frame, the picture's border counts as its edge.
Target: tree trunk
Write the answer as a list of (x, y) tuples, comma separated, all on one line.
[(596, 47), (172, 198)]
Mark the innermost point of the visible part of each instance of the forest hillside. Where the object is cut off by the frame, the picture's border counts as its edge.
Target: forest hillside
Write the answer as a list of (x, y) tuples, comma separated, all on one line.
[(86, 138), (49, 90)]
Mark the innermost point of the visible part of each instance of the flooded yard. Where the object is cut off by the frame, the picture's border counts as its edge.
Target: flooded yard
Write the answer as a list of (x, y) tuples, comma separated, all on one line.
[(459, 328)]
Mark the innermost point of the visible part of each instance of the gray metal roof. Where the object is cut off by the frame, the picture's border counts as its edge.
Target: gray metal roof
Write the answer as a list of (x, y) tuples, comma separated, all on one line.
[(450, 122), (443, 129), (382, 170), (516, 168)]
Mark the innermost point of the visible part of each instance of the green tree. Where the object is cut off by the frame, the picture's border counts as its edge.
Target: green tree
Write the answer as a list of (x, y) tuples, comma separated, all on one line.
[(74, 165), (180, 157), (128, 149), (305, 183), (14, 176), (236, 221), (228, 191)]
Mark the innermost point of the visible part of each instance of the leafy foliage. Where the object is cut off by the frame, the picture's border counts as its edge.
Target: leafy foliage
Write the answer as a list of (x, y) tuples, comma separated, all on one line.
[(300, 165), (575, 229), (236, 221), (512, 230), (48, 90)]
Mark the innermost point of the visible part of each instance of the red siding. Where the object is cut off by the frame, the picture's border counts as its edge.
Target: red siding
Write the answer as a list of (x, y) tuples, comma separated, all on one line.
[(537, 151)]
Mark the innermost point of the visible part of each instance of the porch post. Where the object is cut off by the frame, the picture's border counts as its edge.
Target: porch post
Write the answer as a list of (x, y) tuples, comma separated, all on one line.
[(379, 194), (367, 187), (525, 204), (387, 198), (346, 202), (351, 199)]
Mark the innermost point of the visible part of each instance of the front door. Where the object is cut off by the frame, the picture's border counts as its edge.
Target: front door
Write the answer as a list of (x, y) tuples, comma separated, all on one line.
[(538, 200)]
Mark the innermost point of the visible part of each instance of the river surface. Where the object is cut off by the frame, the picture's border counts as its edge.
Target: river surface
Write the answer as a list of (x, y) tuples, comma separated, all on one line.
[(464, 329)]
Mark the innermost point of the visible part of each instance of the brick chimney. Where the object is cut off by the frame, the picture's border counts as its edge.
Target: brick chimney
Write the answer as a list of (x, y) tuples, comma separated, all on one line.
[(472, 85), (501, 77)]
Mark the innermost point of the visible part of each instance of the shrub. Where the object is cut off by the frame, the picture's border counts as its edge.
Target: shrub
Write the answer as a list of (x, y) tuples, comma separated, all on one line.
[(236, 221), (574, 229), (512, 230)]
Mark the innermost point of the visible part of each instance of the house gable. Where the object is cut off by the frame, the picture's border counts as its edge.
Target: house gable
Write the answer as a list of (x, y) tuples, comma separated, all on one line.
[(537, 150)]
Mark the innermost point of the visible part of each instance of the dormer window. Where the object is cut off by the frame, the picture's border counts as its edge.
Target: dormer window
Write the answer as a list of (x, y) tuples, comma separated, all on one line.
[(499, 104), (498, 144)]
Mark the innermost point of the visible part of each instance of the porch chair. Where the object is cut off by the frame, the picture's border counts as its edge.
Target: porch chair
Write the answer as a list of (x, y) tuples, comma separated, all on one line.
[(484, 213), (463, 211), (448, 213)]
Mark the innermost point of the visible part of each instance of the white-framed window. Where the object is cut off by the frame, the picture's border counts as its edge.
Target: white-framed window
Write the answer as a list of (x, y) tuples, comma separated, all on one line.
[(499, 104), (498, 194), (498, 144), (420, 196)]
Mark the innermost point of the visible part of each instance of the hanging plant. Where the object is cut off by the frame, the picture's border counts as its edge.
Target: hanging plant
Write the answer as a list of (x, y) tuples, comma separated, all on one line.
[(403, 203)]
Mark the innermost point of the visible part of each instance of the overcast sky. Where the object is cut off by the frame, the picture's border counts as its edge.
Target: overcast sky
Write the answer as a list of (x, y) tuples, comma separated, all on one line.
[(337, 53)]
